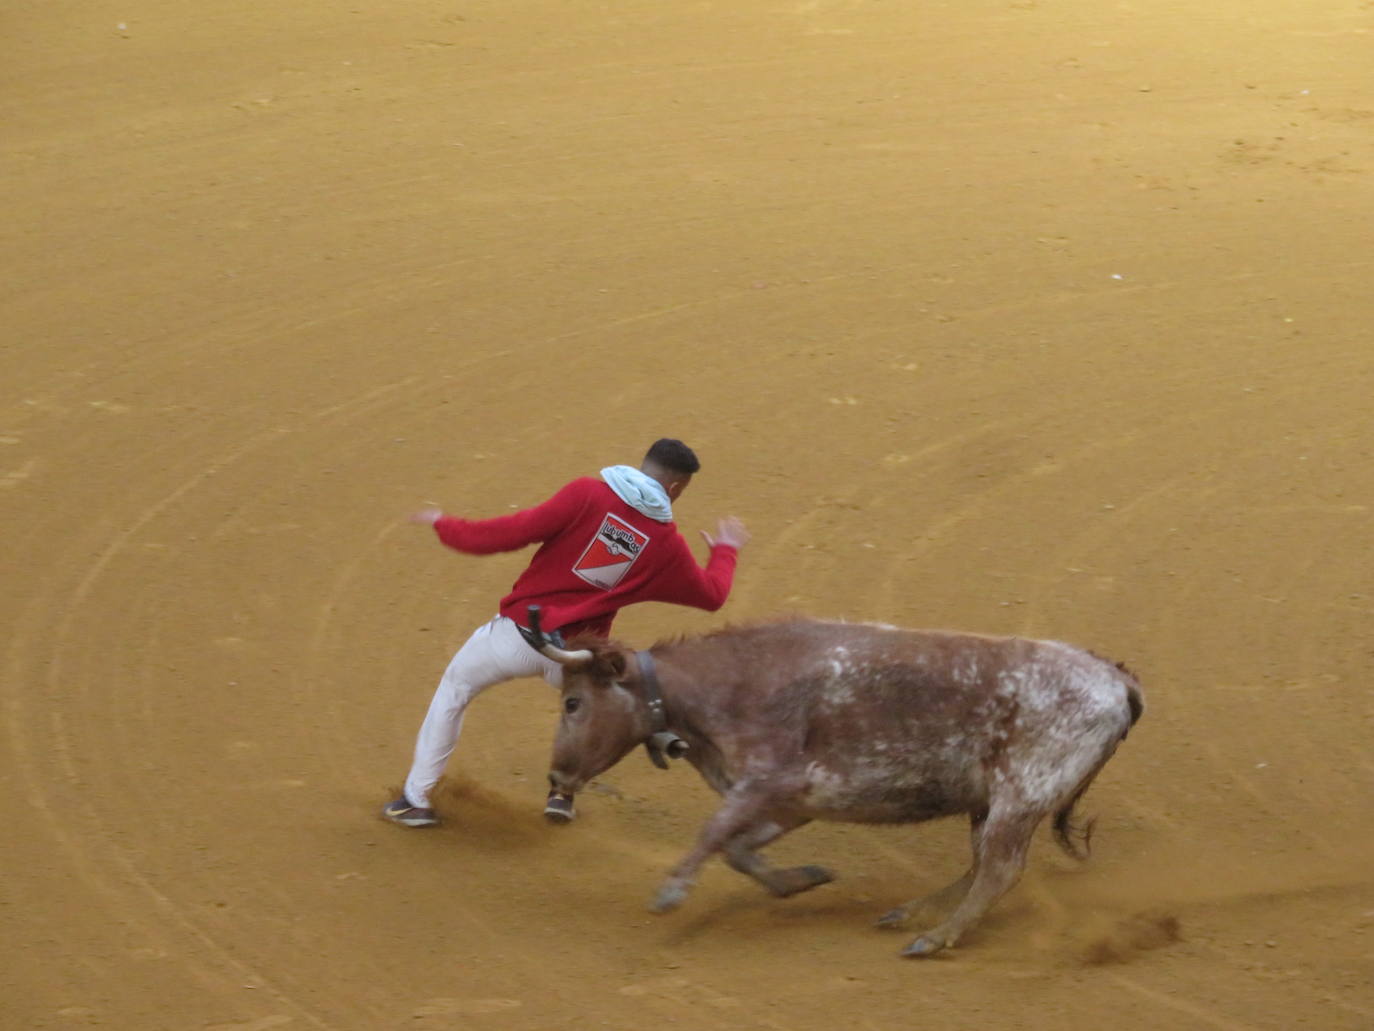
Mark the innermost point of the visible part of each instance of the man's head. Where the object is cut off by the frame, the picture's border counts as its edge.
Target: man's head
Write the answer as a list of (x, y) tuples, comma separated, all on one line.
[(671, 463)]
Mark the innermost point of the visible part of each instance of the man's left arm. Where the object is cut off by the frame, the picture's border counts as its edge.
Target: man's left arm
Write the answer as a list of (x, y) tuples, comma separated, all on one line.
[(686, 583)]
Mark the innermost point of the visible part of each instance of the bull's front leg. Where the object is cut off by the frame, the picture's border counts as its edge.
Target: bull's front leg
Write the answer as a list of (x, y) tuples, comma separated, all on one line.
[(742, 855), (744, 804)]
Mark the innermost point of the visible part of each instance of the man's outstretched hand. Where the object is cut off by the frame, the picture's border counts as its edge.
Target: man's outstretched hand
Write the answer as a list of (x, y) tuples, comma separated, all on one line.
[(427, 516), (730, 532)]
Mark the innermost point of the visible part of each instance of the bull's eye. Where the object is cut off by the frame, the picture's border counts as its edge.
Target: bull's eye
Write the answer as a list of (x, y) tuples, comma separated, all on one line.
[(570, 705)]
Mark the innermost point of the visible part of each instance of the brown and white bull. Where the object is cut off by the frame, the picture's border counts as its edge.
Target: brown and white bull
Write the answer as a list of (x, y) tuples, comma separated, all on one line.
[(808, 720)]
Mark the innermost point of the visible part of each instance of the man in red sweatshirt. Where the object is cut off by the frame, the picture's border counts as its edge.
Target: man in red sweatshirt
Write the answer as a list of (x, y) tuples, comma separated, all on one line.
[(604, 544)]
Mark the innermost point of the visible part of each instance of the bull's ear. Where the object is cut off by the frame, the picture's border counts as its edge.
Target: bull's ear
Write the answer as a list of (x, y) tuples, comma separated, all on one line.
[(617, 661)]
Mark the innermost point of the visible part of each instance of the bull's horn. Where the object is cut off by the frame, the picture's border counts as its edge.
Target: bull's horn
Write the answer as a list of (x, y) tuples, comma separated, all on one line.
[(567, 658), (542, 643)]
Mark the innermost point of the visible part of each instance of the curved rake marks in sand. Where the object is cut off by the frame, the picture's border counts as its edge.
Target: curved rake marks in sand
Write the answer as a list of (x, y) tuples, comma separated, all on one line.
[(1206, 1015), (52, 615), (883, 603), (1188, 711)]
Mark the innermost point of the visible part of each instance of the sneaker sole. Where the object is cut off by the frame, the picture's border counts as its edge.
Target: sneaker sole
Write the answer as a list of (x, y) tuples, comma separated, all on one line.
[(401, 820)]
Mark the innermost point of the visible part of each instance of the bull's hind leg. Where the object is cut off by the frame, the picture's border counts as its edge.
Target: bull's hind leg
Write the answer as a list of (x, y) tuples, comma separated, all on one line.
[(936, 901), (946, 897), (1000, 858), (742, 855)]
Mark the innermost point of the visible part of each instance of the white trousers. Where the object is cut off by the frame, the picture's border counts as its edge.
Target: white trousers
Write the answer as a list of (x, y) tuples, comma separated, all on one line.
[(493, 654)]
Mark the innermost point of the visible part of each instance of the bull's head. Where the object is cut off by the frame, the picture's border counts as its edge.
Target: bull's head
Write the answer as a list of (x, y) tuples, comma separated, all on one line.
[(610, 703), (602, 719)]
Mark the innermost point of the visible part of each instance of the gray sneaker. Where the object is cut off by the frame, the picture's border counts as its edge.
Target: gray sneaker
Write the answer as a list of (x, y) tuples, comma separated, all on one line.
[(559, 808), (407, 815)]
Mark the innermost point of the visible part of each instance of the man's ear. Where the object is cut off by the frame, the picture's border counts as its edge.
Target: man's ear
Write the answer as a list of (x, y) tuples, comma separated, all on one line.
[(676, 487)]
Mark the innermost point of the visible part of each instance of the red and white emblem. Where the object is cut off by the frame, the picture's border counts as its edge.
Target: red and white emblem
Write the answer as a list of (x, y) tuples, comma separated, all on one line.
[(611, 553)]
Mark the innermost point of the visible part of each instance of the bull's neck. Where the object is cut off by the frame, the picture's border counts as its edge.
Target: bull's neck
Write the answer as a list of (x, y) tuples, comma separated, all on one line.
[(690, 714), (683, 712)]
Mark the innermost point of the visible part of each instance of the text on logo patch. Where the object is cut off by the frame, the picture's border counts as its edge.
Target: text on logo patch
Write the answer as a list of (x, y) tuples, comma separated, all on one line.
[(611, 553)]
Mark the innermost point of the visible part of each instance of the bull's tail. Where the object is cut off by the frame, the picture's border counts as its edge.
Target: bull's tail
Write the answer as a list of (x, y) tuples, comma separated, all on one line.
[(1076, 839), (1136, 702)]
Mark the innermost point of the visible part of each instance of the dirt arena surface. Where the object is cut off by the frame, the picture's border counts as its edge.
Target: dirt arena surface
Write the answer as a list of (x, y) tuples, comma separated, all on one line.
[(1047, 317)]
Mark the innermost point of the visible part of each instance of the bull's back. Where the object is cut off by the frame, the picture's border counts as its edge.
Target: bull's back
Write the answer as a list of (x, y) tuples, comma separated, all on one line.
[(906, 725)]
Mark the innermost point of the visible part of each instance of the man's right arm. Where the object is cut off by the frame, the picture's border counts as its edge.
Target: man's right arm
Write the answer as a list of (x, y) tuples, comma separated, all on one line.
[(509, 532)]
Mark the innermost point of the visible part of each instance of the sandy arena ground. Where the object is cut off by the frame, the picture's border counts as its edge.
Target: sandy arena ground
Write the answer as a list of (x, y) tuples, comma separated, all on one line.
[(1046, 317)]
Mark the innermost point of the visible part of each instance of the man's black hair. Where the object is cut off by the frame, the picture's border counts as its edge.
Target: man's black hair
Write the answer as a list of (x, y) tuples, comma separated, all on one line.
[(674, 456)]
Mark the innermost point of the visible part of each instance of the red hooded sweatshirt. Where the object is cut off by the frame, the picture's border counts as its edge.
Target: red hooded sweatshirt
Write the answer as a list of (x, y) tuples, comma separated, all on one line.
[(597, 555)]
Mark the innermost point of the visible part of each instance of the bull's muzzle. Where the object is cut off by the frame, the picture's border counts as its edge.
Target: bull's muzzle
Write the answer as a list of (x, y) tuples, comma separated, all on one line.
[(562, 784)]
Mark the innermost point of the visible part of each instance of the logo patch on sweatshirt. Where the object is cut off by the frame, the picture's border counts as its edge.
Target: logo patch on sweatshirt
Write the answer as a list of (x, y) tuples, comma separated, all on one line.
[(611, 553)]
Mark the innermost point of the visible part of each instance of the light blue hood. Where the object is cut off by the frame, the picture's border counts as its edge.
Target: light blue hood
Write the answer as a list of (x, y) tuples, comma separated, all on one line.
[(640, 491)]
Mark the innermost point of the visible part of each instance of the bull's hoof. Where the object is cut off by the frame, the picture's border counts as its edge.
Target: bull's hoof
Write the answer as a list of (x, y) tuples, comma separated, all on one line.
[(818, 874), (669, 897), (784, 883), (893, 919), (922, 947)]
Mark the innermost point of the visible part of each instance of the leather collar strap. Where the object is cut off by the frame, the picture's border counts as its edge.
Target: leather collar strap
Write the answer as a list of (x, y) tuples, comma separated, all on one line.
[(653, 694), (653, 697)]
